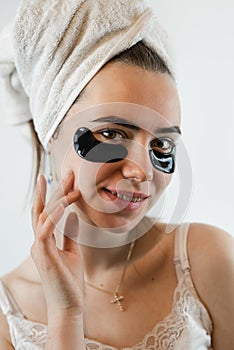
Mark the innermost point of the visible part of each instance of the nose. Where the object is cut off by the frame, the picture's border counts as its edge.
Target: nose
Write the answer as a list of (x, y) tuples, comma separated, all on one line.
[(137, 165)]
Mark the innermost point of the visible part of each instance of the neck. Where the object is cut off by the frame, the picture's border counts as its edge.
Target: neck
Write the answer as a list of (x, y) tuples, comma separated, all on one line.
[(97, 261), (104, 252)]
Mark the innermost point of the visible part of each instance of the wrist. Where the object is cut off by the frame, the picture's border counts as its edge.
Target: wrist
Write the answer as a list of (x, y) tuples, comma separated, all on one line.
[(61, 316), (65, 331)]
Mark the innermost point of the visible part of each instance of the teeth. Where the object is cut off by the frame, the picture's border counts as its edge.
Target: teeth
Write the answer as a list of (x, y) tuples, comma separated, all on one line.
[(127, 198), (136, 199), (124, 197)]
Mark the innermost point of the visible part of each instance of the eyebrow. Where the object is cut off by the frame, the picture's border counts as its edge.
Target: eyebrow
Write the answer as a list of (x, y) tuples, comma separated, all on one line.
[(125, 123)]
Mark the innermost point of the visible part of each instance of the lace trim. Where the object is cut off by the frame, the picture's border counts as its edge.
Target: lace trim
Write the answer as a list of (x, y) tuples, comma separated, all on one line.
[(187, 312), (27, 334), (167, 333)]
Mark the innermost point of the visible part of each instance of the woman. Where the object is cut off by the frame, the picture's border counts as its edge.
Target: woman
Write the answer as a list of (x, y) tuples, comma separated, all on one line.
[(104, 106)]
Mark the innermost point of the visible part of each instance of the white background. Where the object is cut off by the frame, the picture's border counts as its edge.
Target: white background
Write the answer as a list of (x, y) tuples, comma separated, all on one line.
[(202, 36)]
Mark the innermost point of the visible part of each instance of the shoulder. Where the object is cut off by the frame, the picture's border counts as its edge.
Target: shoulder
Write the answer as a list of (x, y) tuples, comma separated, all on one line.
[(212, 249), (25, 289), (211, 255), (13, 282), (20, 282), (5, 338)]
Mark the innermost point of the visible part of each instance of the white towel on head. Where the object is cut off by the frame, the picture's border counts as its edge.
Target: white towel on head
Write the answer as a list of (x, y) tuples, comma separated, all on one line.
[(16, 100), (54, 48)]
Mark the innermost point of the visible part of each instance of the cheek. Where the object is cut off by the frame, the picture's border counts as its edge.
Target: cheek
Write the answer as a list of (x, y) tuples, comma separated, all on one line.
[(69, 161), (161, 181), (106, 171), (88, 175)]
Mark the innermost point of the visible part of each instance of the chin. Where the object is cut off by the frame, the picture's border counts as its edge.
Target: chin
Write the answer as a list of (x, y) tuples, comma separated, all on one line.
[(115, 222), (115, 216)]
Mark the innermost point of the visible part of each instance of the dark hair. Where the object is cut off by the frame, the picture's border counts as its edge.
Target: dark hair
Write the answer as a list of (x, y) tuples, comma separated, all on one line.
[(138, 55), (142, 56)]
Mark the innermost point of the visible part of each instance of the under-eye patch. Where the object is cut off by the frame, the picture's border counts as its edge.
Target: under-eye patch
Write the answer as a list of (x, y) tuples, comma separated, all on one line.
[(163, 162), (89, 148)]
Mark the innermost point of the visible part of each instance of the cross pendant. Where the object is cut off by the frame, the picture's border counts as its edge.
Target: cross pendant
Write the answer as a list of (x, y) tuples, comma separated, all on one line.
[(117, 300)]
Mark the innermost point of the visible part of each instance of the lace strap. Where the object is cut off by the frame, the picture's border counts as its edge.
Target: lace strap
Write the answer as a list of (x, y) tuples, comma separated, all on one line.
[(7, 303), (180, 250)]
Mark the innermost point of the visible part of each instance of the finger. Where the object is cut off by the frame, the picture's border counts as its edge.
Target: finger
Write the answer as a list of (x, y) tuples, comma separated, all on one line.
[(46, 229), (66, 200), (44, 251), (65, 186), (70, 198), (65, 194), (68, 182), (62, 189), (71, 233), (69, 194), (39, 200)]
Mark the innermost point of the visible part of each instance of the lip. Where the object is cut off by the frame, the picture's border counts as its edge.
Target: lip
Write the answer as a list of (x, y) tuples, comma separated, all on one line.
[(123, 205)]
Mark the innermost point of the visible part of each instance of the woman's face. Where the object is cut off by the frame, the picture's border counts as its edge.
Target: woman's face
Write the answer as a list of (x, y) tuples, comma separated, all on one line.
[(122, 105)]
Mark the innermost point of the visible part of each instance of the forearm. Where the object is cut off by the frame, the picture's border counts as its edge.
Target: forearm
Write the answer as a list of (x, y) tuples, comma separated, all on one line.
[(65, 332)]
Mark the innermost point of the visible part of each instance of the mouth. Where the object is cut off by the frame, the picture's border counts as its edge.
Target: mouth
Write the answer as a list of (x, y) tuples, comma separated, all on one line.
[(127, 196)]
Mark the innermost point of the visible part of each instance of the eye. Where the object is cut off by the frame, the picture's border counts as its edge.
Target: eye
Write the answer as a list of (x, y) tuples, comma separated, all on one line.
[(162, 145), (111, 135)]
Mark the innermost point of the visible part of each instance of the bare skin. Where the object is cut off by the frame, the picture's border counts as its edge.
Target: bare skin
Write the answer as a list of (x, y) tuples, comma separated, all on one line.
[(151, 279), (207, 272)]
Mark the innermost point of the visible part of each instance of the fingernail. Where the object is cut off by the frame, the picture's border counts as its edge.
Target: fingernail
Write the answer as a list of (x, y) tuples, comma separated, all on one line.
[(38, 178)]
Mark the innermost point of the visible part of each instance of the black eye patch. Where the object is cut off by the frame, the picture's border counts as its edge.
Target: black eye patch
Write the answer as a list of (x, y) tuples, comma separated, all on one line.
[(163, 162), (89, 148)]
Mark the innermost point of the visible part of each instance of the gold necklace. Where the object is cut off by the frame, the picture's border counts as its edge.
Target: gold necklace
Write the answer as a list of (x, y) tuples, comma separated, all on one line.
[(116, 298)]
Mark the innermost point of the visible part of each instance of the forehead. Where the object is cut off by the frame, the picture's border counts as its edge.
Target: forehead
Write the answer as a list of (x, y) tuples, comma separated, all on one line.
[(133, 116), (131, 84)]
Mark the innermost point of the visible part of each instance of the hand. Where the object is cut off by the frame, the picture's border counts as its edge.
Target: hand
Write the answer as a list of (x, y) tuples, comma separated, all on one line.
[(61, 271)]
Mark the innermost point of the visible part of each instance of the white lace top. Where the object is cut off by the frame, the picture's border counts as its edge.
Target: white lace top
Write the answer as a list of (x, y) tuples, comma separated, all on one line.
[(187, 327)]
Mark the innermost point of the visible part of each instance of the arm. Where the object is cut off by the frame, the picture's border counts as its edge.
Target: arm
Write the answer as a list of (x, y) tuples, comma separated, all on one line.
[(211, 252), (65, 331), (5, 339)]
